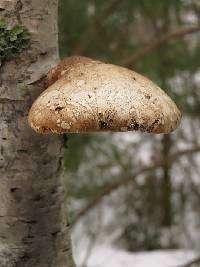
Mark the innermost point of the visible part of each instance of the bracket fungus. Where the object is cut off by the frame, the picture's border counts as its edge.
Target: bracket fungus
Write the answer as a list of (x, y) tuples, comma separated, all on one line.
[(85, 95)]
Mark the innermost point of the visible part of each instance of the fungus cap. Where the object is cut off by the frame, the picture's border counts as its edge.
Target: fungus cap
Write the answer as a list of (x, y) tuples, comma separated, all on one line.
[(85, 95)]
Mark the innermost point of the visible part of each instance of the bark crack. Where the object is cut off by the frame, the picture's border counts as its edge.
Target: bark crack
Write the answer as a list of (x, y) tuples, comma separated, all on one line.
[(18, 8)]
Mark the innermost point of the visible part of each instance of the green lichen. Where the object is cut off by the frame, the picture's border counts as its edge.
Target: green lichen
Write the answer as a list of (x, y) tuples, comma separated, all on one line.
[(12, 41)]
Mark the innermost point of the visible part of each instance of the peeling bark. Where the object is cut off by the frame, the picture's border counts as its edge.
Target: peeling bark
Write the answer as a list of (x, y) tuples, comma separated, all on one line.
[(34, 231)]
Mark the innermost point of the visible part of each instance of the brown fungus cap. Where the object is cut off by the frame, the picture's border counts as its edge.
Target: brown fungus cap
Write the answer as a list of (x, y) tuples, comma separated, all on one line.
[(84, 95)]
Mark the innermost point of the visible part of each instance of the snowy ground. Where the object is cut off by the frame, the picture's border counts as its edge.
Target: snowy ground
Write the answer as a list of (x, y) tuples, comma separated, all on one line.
[(110, 257), (102, 252)]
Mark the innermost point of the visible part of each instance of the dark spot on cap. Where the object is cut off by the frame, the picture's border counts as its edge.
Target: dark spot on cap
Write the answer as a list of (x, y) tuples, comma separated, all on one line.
[(103, 125), (58, 108), (155, 122), (44, 129), (151, 127), (143, 128), (147, 96), (133, 126)]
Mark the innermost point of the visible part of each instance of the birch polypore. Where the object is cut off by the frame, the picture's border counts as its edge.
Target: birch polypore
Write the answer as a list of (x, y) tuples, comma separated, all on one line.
[(85, 95)]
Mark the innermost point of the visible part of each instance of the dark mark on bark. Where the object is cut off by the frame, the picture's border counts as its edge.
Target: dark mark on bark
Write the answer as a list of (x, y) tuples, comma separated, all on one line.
[(55, 233), (29, 221), (37, 197), (13, 189), (53, 190), (65, 249), (22, 151)]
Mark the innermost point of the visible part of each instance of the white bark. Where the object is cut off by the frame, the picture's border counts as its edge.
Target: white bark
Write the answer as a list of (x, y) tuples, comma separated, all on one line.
[(34, 231)]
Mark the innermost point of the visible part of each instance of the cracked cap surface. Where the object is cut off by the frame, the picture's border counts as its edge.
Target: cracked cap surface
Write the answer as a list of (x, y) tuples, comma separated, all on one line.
[(85, 95)]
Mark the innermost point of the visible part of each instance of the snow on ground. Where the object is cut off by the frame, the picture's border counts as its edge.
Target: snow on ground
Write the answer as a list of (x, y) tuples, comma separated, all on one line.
[(106, 256), (101, 252)]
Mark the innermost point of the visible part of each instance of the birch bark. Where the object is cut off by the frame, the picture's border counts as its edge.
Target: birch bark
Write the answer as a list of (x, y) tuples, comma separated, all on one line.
[(34, 231)]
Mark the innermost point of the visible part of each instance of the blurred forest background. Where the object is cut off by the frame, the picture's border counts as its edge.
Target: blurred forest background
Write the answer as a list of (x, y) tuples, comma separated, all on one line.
[(138, 191)]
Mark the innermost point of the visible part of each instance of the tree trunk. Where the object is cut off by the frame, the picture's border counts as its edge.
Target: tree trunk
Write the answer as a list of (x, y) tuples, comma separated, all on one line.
[(166, 182), (34, 231)]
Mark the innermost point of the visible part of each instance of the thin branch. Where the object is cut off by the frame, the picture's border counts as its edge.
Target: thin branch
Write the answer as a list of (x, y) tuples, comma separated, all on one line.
[(194, 186), (166, 38), (10, 101), (93, 240), (123, 182), (108, 11), (92, 30)]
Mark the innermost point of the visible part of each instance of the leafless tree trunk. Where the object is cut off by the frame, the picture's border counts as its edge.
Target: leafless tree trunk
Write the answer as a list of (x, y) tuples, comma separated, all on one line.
[(34, 231), (166, 186)]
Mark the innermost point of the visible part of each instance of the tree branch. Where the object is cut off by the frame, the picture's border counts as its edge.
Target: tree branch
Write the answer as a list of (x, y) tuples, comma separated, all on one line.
[(166, 38), (123, 182), (92, 30)]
